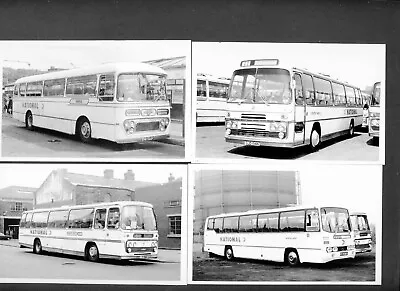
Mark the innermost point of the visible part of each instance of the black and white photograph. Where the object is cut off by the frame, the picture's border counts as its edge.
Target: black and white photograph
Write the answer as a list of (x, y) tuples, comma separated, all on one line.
[(289, 101), (101, 224), (258, 225), (95, 99)]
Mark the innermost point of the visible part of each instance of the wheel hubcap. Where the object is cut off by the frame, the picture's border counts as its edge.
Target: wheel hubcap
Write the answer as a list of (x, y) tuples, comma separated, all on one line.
[(30, 120), (229, 253), (85, 129), (314, 139), (93, 251), (292, 257)]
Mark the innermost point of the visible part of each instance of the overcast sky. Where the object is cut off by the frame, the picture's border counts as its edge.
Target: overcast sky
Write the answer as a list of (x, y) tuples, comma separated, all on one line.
[(68, 54), (33, 175), (356, 187), (358, 64)]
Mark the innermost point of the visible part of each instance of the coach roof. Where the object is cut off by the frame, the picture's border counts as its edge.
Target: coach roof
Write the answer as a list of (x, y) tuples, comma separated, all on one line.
[(92, 70)]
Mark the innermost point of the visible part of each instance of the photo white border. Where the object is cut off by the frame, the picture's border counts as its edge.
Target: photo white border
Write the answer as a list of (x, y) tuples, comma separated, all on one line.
[(184, 242), (293, 167), (233, 159), (187, 147)]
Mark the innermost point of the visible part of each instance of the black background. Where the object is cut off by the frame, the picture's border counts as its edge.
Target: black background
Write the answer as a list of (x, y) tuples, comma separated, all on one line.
[(250, 21)]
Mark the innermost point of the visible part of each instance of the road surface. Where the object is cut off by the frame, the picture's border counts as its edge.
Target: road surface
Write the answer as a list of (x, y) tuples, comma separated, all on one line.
[(17, 141), (210, 143), (23, 263)]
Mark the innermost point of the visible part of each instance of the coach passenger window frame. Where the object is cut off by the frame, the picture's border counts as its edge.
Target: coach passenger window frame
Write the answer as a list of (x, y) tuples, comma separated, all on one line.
[(337, 85), (320, 84), (115, 221), (202, 89), (40, 223), (22, 221), (233, 224), (81, 83), (57, 223), (351, 89), (16, 90), (289, 225), (103, 94), (29, 222), (309, 94), (34, 92), (273, 215), (218, 220), (249, 227), (222, 90), (310, 214), (210, 224), (50, 83), (87, 223), (22, 89), (298, 80)]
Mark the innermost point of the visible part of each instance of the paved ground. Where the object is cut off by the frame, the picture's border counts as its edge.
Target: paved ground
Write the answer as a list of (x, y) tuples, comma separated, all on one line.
[(20, 142), (210, 143), (23, 263), (360, 269)]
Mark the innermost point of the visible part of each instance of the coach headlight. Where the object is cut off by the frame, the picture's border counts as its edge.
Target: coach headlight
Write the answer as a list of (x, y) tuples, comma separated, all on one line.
[(154, 244), (164, 123), (129, 126), (328, 249), (282, 127), (229, 124), (375, 122), (130, 244), (234, 124), (334, 249)]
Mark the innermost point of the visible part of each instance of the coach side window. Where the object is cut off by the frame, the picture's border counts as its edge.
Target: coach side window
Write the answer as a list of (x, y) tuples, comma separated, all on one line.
[(312, 220), (350, 95), (106, 88), (22, 90), (100, 218), (28, 221), (298, 91), (39, 219), (231, 224), (292, 221), (339, 96), (323, 91), (308, 89), (58, 219), (268, 222), (218, 224), (22, 222), (54, 87), (248, 223), (218, 90), (210, 224), (34, 89), (16, 90), (81, 218), (85, 85), (201, 88), (113, 221)]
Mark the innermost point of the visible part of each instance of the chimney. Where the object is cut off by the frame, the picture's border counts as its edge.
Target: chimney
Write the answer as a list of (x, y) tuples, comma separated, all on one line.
[(109, 174), (129, 175), (171, 178)]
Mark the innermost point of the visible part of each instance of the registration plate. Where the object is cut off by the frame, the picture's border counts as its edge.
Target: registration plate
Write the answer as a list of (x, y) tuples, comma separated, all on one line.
[(142, 244), (252, 143), (342, 254), (147, 138)]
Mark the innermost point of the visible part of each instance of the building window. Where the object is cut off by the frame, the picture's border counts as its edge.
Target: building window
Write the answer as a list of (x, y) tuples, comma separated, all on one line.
[(17, 206), (174, 226)]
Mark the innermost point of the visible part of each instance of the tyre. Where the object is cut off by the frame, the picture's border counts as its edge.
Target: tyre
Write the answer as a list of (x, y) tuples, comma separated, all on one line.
[(37, 247), (315, 139), (229, 253), (351, 129), (29, 121), (92, 253), (292, 258), (84, 130)]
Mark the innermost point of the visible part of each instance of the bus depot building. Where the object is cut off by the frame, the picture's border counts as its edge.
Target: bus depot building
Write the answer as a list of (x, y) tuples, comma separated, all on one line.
[(64, 188), (13, 201), (225, 191)]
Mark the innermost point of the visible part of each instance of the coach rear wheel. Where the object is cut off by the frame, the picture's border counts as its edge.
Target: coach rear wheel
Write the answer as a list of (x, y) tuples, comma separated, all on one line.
[(92, 253), (29, 121), (84, 130), (37, 246), (229, 253), (315, 139), (292, 258), (351, 129)]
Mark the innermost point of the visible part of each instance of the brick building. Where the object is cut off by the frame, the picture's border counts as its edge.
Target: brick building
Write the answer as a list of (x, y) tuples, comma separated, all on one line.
[(13, 201), (64, 188)]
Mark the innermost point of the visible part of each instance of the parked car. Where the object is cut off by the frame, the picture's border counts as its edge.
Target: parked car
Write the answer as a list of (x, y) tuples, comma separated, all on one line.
[(4, 236)]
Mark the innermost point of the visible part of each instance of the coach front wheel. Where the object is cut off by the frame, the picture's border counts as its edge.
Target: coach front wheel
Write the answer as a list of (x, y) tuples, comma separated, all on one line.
[(84, 130), (37, 247), (292, 258), (29, 120), (315, 139), (228, 253)]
